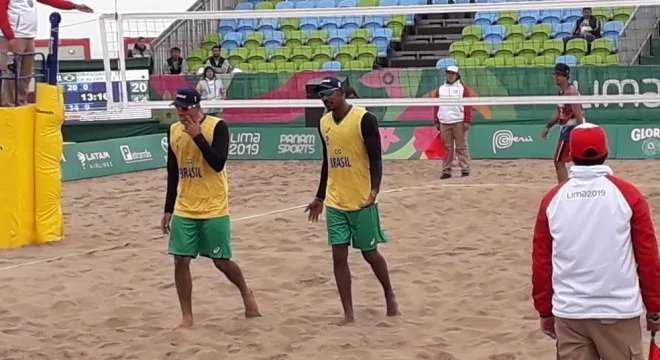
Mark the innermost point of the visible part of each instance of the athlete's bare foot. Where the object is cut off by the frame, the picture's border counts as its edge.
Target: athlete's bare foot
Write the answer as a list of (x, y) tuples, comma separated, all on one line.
[(392, 307), (251, 308), (346, 320), (186, 323)]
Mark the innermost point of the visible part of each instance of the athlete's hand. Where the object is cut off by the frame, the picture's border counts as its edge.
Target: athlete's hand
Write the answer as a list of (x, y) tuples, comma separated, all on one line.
[(548, 326), (544, 133), (190, 126), (370, 200), (165, 223), (315, 208)]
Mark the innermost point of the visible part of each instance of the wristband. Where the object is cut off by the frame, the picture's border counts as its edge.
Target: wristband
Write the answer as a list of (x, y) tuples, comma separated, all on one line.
[(318, 199), (549, 126)]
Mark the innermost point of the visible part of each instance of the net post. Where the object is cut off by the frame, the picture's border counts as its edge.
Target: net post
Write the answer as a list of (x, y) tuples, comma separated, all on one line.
[(107, 65), (123, 86), (52, 63)]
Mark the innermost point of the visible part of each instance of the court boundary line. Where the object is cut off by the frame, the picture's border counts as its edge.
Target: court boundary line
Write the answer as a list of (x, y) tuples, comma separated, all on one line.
[(291, 208)]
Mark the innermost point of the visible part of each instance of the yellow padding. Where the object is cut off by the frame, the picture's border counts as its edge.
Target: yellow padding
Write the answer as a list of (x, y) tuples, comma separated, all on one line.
[(48, 149), (17, 180)]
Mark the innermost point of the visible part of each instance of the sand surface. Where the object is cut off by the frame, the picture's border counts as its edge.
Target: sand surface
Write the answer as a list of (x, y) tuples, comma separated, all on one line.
[(459, 257)]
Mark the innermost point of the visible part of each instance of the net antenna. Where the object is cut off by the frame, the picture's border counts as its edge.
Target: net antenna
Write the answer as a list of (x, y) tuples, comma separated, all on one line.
[(115, 27)]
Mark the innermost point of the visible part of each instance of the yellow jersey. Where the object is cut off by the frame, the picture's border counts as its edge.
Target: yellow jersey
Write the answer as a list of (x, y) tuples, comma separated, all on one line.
[(202, 192), (349, 180)]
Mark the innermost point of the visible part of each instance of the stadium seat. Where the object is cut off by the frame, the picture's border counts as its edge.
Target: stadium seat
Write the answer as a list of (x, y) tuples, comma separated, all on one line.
[(309, 66), (360, 37), (323, 54), (544, 60), (507, 48), (237, 56), (367, 53), (284, 5), (471, 62), (612, 60), (485, 18), (232, 40), (246, 26), (301, 54), (551, 16), (472, 33), (622, 14), (351, 23), (494, 33), (274, 39), (516, 32), (576, 47), (304, 5), (554, 47), (211, 40), (389, 2), (337, 38), (346, 53), (480, 50), (280, 55), (264, 67), (570, 15), (497, 62), (440, 2), (244, 6), (374, 22), (266, 25), (329, 23), (356, 65), (382, 39), (317, 38), (264, 5), (347, 3), (227, 26), (459, 50), (528, 50), (445, 63), (253, 40), (257, 55), (331, 66), (365, 3), (295, 38), (286, 67), (603, 14), (612, 28), (602, 47), (308, 24), (396, 23), (518, 61), (529, 17), (560, 31), (591, 60), (325, 4), (289, 24), (410, 19), (507, 17), (245, 67), (541, 32), (569, 60)]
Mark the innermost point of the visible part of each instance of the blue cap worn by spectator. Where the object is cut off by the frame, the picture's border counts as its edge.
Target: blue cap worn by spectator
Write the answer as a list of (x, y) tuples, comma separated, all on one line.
[(187, 97)]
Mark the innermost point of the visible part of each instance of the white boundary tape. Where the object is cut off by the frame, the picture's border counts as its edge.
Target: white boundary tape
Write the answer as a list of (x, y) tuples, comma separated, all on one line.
[(250, 217)]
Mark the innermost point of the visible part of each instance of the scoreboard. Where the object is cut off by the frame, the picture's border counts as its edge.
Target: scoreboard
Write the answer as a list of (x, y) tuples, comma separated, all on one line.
[(86, 96)]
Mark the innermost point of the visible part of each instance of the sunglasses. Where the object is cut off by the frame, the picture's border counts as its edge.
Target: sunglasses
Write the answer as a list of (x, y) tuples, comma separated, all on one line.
[(327, 92)]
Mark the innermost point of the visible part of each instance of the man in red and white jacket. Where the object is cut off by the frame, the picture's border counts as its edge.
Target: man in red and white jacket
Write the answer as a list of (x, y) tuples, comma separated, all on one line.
[(18, 22), (595, 263), (453, 122)]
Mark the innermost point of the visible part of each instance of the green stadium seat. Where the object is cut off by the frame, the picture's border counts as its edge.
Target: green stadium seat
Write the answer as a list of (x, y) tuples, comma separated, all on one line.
[(257, 55), (481, 50), (576, 47), (602, 47), (280, 55), (612, 59), (355, 65), (310, 66), (360, 37), (264, 5), (253, 40), (471, 62), (518, 61), (245, 67), (317, 38), (238, 55), (295, 39), (603, 14), (301, 54), (516, 32), (472, 33), (541, 32), (528, 50), (364, 3), (553, 47), (201, 54), (496, 61), (397, 24), (289, 24), (544, 60), (211, 40), (622, 13), (265, 67), (591, 60), (346, 53), (323, 54), (507, 17), (286, 67), (507, 48), (459, 49), (367, 53)]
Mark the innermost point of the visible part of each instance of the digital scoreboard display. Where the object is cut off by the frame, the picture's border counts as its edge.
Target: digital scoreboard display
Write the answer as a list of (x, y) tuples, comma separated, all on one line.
[(86, 95)]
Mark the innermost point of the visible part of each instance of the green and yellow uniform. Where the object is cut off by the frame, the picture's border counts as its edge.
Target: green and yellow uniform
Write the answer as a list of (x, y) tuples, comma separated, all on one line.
[(349, 183), (200, 221)]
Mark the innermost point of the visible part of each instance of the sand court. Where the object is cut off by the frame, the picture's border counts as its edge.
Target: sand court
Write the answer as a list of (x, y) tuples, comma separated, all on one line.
[(459, 257)]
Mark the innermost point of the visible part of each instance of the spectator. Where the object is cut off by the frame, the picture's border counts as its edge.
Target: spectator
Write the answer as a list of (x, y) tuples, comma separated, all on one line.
[(586, 27), (453, 122), (211, 88), (18, 22), (175, 63), (140, 49), (595, 263), (219, 64)]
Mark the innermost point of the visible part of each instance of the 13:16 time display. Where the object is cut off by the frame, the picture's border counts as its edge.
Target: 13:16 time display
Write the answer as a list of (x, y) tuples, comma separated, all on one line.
[(93, 96)]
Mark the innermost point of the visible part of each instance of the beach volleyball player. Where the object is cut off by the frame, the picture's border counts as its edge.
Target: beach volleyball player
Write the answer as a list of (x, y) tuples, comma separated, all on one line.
[(568, 116), (350, 181), (196, 205)]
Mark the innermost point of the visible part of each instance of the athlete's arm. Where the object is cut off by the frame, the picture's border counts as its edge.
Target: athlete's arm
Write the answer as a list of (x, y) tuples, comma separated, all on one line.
[(371, 137), (554, 119), (576, 108), (215, 153), (172, 178), (323, 184)]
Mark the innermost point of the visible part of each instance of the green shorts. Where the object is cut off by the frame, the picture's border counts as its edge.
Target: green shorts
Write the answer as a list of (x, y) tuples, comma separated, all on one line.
[(205, 237), (360, 228)]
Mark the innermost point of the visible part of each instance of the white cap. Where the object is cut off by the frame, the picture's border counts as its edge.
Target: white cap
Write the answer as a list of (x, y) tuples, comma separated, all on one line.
[(452, 68)]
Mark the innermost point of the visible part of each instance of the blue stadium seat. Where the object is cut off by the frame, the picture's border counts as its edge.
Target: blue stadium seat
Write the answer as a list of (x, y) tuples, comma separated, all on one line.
[(462, 1), (494, 33), (373, 22), (529, 17), (570, 15), (347, 3), (274, 39), (285, 5), (551, 16), (309, 24), (266, 25), (227, 25), (245, 6), (329, 23), (338, 37), (445, 63), (612, 28), (389, 2), (246, 25), (382, 38), (440, 2), (326, 4), (569, 60), (331, 66), (305, 5), (232, 40), (561, 30), (484, 18), (351, 23)]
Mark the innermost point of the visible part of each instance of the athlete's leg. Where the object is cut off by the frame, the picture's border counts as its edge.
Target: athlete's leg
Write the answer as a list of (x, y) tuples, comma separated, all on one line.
[(339, 236), (562, 172), (379, 267), (561, 157), (183, 282), (183, 245), (216, 244)]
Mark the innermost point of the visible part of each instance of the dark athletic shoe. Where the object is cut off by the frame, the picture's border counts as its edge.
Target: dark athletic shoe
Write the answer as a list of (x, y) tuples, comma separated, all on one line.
[(445, 176), (465, 173)]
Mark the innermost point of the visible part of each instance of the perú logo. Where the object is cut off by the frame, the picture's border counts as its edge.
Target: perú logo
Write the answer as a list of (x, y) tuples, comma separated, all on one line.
[(504, 139)]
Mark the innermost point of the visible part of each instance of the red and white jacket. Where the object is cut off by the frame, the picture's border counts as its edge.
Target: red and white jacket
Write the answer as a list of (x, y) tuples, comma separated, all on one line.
[(595, 254), (455, 113), (18, 18)]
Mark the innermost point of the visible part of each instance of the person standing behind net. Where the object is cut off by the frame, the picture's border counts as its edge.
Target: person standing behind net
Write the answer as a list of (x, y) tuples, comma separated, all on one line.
[(18, 23), (197, 205), (567, 115), (350, 181), (595, 263), (453, 122)]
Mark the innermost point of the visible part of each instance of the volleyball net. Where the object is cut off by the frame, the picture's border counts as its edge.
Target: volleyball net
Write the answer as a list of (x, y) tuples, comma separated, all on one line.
[(394, 54)]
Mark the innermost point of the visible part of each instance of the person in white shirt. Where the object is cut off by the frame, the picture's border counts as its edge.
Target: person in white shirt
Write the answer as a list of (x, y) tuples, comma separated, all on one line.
[(595, 263), (211, 88), (453, 122)]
